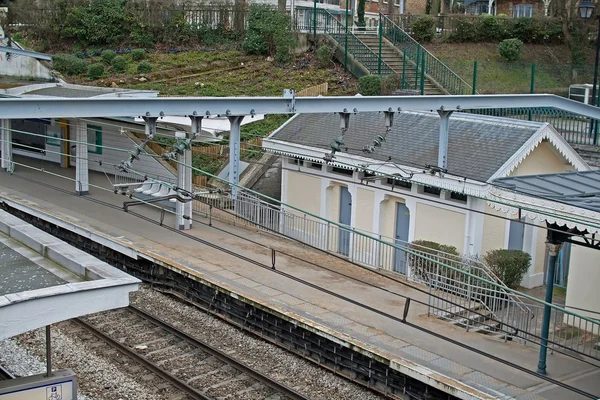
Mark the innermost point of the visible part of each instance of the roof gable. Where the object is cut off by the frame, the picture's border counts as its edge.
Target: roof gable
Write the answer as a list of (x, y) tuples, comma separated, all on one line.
[(549, 134), (477, 146)]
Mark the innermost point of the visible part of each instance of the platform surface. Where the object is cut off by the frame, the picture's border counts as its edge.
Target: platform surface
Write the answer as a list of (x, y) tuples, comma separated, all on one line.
[(340, 317), (22, 269), (44, 280)]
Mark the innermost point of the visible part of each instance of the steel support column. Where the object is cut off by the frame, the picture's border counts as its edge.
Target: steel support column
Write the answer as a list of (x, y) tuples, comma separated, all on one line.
[(150, 128), (82, 180), (234, 153), (48, 352), (553, 249), (6, 145), (443, 140), (189, 186), (180, 208)]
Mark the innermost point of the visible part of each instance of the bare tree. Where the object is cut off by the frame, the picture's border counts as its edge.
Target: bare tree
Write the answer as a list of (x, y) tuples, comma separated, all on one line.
[(576, 32)]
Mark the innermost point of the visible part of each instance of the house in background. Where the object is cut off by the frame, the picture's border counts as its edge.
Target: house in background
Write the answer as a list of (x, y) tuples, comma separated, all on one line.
[(359, 190), (515, 9)]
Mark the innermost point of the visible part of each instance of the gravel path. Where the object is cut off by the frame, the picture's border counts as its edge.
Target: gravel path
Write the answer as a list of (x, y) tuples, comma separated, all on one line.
[(105, 378)]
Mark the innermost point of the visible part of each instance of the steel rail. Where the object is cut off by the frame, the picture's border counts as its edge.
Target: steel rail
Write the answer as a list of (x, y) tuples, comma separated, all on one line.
[(17, 108), (279, 387), (176, 382)]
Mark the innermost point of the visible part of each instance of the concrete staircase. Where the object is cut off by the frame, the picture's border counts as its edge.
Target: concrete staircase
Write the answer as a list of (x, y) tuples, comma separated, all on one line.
[(476, 319), (393, 57)]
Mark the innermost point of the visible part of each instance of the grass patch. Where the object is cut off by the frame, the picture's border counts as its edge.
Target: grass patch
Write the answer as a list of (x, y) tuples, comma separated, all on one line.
[(206, 162), (226, 73), (553, 72), (559, 291), (264, 127)]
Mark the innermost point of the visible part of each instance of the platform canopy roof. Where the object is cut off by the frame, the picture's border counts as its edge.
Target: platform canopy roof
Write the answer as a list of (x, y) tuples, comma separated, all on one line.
[(578, 189)]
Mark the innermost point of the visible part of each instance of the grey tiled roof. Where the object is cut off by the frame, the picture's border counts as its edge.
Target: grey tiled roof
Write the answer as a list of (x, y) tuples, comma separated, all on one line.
[(477, 146), (579, 189)]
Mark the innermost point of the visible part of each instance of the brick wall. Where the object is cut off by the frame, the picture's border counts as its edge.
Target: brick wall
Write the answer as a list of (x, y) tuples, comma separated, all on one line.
[(507, 7)]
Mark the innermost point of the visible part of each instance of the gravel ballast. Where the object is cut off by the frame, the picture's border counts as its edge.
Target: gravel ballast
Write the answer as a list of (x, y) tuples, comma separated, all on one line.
[(101, 377)]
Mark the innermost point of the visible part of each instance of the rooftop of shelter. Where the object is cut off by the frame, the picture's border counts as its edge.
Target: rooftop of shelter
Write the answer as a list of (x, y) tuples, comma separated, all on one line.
[(478, 146), (67, 90), (578, 189), (44, 280)]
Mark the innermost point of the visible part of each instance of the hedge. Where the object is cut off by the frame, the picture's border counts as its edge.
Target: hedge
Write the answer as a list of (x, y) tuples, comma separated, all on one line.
[(491, 28)]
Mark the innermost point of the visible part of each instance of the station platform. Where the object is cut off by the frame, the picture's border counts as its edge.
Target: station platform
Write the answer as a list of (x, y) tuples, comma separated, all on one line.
[(431, 359), (44, 280)]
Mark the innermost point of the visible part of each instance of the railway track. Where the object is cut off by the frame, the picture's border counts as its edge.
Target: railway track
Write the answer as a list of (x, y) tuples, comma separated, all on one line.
[(173, 361)]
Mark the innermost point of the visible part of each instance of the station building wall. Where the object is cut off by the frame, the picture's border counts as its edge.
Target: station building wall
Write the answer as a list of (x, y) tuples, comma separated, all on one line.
[(103, 140)]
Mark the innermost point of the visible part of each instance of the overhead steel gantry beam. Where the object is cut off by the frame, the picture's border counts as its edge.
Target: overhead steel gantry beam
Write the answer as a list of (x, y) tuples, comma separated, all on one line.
[(288, 104)]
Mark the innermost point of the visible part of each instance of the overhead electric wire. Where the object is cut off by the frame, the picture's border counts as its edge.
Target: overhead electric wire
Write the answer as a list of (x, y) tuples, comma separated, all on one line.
[(356, 167), (476, 277), (337, 224), (334, 294), (404, 194)]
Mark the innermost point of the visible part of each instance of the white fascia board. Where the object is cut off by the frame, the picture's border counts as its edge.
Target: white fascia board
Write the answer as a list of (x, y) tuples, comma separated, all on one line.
[(347, 161), (22, 312), (547, 210)]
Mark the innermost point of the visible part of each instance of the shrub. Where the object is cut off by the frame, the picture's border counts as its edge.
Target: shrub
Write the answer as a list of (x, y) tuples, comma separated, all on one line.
[(269, 33), (489, 29), (119, 64), (108, 56), (465, 30), (370, 85), (96, 22), (96, 71), (510, 49), (138, 54), (144, 67), (423, 28), (422, 268), (140, 36), (390, 83), (324, 56), (69, 64), (497, 28), (508, 265)]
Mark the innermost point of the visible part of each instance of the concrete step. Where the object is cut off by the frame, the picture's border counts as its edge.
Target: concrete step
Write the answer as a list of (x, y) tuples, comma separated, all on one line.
[(455, 312)]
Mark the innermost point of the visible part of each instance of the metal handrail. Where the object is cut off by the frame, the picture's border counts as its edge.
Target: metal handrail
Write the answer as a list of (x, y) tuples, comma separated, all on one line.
[(361, 52), (434, 69), (325, 22), (573, 127)]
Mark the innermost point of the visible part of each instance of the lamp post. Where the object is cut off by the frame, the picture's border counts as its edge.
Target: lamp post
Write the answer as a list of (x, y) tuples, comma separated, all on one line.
[(586, 9)]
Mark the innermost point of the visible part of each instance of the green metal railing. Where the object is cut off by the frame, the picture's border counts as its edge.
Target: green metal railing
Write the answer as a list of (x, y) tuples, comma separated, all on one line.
[(328, 24), (574, 128), (427, 64)]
